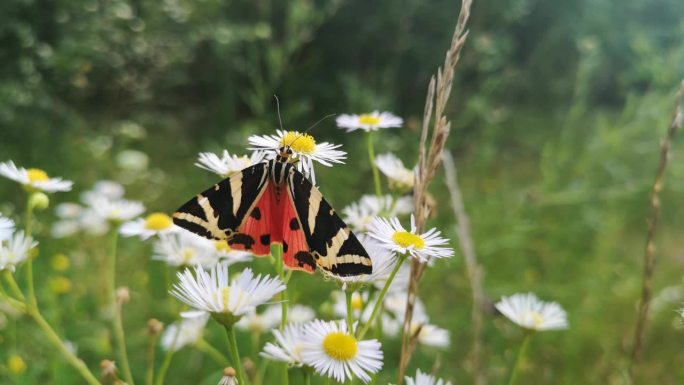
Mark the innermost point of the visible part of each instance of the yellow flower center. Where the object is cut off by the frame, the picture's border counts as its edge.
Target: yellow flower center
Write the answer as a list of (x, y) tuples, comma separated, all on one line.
[(225, 292), (340, 346), (356, 302), (302, 143), (369, 119), (223, 246), (406, 239), (158, 221), (537, 319), (60, 285), (37, 175), (188, 255), (16, 364)]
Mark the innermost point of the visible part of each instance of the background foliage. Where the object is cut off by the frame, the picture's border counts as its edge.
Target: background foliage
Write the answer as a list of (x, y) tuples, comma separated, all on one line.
[(558, 108)]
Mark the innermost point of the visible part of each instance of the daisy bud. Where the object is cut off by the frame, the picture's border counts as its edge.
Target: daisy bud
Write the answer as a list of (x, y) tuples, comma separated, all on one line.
[(108, 369), (38, 200), (154, 327), (122, 295), (228, 377)]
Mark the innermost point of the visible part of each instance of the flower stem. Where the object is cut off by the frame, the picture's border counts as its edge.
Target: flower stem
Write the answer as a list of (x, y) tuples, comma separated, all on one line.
[(167, 359), (381, 297), (77, 363), (350, 311), (117, 322), (28, 229), (232, 345), (205, 347), (307, 377), (149, 373), (521, 357), (277, 253), (371, 157)]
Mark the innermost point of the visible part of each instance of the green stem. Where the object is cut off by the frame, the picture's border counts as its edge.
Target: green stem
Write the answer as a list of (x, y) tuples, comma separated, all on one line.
[(206, 348), (371, 157), (167, 359), (149, 372), (277, 252), (350, 311), (28, 229), (307, 377), (232, 345), (77, 363), (521, 357), (13, 285), (381, 297), (117, 321)]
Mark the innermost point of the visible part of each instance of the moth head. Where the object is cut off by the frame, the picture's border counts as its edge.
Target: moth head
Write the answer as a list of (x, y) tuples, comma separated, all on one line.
[(285, 151)]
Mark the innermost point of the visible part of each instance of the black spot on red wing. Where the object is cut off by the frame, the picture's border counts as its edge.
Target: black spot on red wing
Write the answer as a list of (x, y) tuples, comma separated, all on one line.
[(265, 239), (285, 247), (242, 239), (305, 258), (294, 224), (256, 213)]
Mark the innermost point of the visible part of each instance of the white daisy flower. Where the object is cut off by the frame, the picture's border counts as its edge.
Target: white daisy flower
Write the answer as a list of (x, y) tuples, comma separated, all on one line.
[(212, 291), (368, 122), (299, 314), (423, 247), (530, 313), (261, 322), (333, 352), (395, 305), (383, 262), (424, 379), (153, 224), (34, 179), (183, 333), (15, 250), (6, 228), (185, 249), (287, 346), (227, 165), (305, 150), (227, 254), (400, 177), (103, 188), (359, 215), (432, 335), (118, 210)]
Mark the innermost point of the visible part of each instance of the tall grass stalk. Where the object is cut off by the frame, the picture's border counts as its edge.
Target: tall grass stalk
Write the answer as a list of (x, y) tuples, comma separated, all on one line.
[(649, 252), (429, 159)]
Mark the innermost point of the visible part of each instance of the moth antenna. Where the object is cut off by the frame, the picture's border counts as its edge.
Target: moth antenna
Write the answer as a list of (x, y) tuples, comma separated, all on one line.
[(278, 108), (309, 129)]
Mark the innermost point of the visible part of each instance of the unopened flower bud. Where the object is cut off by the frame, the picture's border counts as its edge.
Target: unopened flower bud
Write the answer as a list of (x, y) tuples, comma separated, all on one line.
[(39, 200), (108, 369), (122, 295), (154, 327)]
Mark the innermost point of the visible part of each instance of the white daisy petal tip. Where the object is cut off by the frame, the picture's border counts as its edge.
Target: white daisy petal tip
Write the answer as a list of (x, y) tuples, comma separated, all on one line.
[(399, 177), (372, 121), (333, 352), (15, 250), (34, 179), (425, 379), (529, 312)]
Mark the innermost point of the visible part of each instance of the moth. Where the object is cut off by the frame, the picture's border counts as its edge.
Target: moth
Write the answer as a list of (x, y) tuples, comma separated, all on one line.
[(272, 202)]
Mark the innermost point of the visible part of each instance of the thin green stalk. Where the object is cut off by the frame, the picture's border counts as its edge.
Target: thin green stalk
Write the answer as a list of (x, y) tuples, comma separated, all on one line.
[(350, 311), (307, 377), (117, 321), (206, 348), (237, 362), (381, 297), (371, 157), (149, 372), (277, 253), (13, 285), (28, 229), (77, 363), (521, 358), (167, 359)]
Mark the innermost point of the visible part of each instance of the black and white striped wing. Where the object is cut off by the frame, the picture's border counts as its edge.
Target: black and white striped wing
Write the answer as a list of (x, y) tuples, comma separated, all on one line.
[(333, 246), (222, 209)]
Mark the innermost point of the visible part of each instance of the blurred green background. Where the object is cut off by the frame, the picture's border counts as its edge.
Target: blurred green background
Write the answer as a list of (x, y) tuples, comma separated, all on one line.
[(558, 108)]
